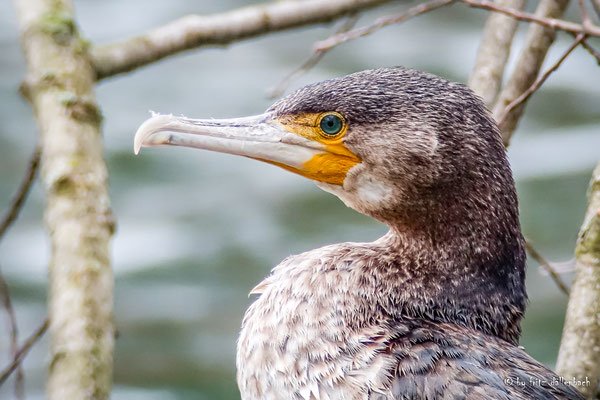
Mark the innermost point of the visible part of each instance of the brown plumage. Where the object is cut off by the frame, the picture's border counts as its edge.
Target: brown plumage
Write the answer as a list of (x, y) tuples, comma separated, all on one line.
[(430, 311)]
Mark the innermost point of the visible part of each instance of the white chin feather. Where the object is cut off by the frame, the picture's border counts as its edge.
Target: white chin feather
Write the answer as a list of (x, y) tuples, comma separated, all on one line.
[(361, 191)]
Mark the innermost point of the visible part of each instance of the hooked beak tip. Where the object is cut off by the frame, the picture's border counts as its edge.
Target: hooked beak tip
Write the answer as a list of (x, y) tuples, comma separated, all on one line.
[(152, 125), (137, 142)]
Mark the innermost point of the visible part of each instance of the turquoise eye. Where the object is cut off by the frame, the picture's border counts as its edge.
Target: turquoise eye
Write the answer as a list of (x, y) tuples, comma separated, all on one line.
[(331, 124)]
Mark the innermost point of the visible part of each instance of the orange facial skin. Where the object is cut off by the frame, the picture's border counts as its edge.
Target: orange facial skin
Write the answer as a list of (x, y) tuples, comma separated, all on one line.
[(333, 164)]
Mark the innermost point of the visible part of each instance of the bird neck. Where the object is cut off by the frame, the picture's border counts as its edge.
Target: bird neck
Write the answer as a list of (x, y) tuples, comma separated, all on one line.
[(462, 263)]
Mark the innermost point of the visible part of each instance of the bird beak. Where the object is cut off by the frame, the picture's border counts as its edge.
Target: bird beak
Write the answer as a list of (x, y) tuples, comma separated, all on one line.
[(260, 137)]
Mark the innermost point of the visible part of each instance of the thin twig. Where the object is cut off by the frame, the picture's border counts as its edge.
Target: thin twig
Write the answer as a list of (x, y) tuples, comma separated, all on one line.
[(536, 85), (9, 217), (567, 26), (591, 50), (596, 4), (14, 335), (547, 266), (565, 267), (22, 352), (585, 18), (338, 39), (21, 195), (313, 60)]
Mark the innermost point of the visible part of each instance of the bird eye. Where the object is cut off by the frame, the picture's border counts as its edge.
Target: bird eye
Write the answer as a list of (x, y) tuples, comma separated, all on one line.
[(331, 124)]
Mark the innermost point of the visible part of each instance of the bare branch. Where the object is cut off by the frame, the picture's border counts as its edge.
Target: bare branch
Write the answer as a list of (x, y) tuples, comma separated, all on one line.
[(579, 354), (14, 334), (194, 31), (22, 191), (538, 41), (596, 4), (585, 18), (547, 266), (22, 352), (313, 60), (9, 217), (538, 83), (380, 23), (564, 267), (559, 24), (591, 50), (493, 53)]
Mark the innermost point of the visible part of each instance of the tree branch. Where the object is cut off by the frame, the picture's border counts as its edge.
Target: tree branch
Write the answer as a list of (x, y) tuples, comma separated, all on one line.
[(313, 60), (579, 354), (380, 23), (59, 84), (591, 50), (538, 83), (194, 31), (585, 18), (596, 5), (493, 53), (544, 20), (538, 41), (21, 194), (22, 352), (14, 334), (547, 266), (9, 217)]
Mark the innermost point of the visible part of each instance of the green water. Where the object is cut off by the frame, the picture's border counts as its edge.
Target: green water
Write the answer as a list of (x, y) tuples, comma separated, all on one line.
[(196, 231)]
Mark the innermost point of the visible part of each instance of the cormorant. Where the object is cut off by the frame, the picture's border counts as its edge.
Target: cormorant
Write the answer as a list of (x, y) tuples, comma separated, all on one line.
[(431, 310)]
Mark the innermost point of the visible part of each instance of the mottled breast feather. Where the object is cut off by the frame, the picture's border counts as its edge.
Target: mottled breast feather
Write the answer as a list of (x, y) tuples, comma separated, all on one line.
[(305, 338)]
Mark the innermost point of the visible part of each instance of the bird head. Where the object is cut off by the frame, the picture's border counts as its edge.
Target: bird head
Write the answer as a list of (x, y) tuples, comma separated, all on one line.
[(393, 143)]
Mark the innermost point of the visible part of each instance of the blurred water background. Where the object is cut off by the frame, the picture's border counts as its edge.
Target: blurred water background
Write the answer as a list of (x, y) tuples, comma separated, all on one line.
[(197, 230)]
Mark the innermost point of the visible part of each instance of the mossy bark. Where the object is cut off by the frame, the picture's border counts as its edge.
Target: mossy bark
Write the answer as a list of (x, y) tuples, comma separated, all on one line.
[(59, 83), (579, 355)]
